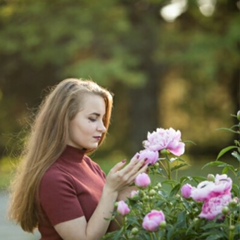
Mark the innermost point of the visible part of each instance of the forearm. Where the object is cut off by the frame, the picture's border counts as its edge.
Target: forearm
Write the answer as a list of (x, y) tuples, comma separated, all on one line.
[(117, 181), (97, 225)]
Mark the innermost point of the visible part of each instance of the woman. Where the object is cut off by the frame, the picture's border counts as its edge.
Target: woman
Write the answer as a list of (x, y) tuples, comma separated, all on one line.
[(58, 188)]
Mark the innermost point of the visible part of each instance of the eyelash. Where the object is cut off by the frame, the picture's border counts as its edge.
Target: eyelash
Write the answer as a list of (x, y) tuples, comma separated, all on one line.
[(92, 119)]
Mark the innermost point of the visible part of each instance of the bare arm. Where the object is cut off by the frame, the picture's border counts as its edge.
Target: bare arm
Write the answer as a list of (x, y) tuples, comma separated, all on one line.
[(118, 178)]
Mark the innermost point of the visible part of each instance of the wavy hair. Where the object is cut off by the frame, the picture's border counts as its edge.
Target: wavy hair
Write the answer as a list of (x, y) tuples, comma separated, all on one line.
[(46, 141)]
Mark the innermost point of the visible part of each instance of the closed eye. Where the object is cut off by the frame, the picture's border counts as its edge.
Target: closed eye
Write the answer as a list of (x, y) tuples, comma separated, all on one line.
[(92, 119)]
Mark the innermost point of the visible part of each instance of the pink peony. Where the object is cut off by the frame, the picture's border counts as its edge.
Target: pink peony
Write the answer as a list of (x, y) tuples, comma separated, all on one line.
[(208, 189), (187, 190), (203, 191), (223, 184), (153, 220), (142, 180), (167, 139), (214, 195), (123, 208), (214, 206), (150, 156)]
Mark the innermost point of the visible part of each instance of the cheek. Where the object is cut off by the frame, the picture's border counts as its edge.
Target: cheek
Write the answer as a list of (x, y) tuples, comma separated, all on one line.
[(82, 129), (88, 128)]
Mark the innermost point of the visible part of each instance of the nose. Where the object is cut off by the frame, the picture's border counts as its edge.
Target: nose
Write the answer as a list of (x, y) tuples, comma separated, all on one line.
[(101, 127)]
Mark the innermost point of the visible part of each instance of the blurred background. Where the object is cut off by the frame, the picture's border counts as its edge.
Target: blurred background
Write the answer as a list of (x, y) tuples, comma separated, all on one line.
[(169, 63)]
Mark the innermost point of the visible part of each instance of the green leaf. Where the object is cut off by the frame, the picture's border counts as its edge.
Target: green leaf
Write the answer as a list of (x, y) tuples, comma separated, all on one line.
[(185, 178), (217, 164), (170, 232), (227, 169), (118, 235), (236, 189), (214, 237), (181, 221), (179, 166), (224, 150), (212, 225), (169, 182), (189, 141), (198, 179), (236, 155), (175, 190), (230, 129)]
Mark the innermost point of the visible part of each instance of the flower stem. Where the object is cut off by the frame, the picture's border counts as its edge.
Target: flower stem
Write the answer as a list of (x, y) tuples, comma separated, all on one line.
[(151, 234), (164, 167), (231, 231), (169, 169)]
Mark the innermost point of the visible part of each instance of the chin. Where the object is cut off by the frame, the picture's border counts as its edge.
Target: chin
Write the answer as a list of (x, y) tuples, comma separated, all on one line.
[(91, 147)]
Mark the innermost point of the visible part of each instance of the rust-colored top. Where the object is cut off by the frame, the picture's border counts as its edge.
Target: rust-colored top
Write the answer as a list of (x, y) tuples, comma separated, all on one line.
[(71, 188)]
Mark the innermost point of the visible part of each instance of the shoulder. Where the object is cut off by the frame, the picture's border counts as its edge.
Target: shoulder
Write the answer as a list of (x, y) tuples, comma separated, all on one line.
[(94, 166), (90, 162), (55, 177)]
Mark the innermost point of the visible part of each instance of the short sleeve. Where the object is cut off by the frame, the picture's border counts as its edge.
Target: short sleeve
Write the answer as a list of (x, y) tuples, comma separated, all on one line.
[(58, 197)]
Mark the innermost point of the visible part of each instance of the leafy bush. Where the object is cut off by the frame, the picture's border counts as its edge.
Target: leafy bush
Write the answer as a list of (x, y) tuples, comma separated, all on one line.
[(189, 208)]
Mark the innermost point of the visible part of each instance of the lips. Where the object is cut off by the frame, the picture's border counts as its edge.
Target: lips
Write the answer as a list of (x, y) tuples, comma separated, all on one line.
[(98, 138)]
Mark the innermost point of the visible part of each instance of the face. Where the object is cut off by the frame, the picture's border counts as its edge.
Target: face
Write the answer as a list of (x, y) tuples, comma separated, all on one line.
[(87, 127)]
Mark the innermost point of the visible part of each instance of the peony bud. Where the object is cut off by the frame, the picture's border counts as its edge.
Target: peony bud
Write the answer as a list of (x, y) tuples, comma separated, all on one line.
[(163, 224), (134, 193), (123, 208), (165, 152), (231, 227), (153, 220), (143, 180), (234, 202), (211, 177), (225, 210), (135, 231), (186, 190), (152, 192)]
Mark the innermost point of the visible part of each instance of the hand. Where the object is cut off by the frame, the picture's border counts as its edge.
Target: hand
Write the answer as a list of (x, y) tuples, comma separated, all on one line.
[(126, 193), (122, 175)]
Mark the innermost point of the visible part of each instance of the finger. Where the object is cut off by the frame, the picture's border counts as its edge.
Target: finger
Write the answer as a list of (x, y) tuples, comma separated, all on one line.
[(131, 173), (133, 177), (135, 158), (135, 164), (118, 166)]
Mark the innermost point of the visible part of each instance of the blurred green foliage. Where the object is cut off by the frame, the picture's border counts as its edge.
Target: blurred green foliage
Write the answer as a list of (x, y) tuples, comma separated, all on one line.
[(183, 74), (7, 168)]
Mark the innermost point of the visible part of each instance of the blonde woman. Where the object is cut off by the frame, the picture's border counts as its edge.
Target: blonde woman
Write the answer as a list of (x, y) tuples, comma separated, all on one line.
[(58, 188)]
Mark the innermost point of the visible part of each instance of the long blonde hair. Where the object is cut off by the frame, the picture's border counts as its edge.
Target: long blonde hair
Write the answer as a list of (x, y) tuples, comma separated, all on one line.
[(46, 142)]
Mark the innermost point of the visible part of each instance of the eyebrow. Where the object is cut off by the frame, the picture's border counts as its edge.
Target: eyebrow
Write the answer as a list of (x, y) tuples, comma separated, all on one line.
[(96, 114)]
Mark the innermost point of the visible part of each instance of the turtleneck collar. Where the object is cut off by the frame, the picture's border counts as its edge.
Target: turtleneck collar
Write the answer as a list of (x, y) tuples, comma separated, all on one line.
[(72, 154)]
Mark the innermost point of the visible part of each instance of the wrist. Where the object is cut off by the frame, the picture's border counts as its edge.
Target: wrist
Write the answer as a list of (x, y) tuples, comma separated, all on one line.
[(110, 192)]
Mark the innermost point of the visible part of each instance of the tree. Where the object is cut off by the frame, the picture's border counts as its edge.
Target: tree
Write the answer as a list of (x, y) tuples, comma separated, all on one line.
[(129, 48), (43, 42)]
